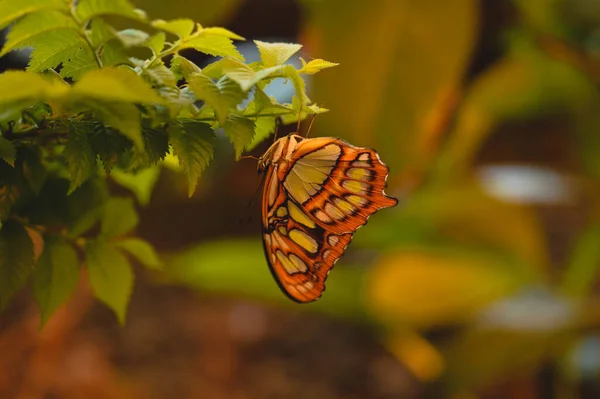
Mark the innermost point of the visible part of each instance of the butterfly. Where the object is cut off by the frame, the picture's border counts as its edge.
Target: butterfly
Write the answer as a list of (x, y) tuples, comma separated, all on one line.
[(317, 192)]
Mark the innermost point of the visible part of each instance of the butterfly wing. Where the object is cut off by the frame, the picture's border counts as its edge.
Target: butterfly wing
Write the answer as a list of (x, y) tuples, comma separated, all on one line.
[(312, 207)]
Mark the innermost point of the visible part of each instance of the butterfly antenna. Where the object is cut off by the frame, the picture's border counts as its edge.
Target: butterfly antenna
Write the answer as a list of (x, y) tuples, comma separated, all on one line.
[(277, 123), (246, 215), (250, 157), (299, 120), (312, 119)]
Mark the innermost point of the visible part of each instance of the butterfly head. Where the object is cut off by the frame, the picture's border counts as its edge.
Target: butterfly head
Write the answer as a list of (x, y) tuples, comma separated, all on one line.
[(281, 149)]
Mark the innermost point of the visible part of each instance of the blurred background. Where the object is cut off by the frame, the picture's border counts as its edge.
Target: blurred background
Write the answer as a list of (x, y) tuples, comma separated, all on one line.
[(481, 284)]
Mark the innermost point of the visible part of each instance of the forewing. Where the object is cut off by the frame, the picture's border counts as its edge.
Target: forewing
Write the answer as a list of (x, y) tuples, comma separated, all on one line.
[(338, 184)]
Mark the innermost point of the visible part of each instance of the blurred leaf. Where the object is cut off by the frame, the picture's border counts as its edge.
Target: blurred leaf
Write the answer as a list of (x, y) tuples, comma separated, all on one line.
[(156, 43), (10, 11), (142, 251), (423, 288), (208, 12), (416, 353), (462, 214), (16, 260), (111, 276), (525, 84), (120, 217), (87, 9), (141, 183), (239, 267), (483, 356), (7, 151), (34, 170), (408, 66), (116, 84), (582, 271), (181, 27), (55, 277)]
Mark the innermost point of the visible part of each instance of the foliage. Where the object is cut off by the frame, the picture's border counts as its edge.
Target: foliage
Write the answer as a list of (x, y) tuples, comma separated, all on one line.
[(86, 109)]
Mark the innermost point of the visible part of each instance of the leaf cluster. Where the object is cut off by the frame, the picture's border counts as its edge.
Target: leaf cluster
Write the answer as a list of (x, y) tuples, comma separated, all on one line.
[(86, 109)]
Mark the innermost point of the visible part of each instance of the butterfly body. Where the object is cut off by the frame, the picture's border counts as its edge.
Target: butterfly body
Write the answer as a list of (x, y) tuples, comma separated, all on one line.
[(317, 193)]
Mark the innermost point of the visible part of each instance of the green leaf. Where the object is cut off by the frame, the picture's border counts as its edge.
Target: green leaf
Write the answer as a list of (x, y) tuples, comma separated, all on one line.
[(7, 151), (156, 43), (156, 146), (34, 170), (313, 66), (221, 96), (111, 276), (218, 31), (122, 116), (263, 103), (26, 89), (265, 126), (141, 183), (12, 10), (218, 46), (55, 277), (16, 259), (193, 144), (120, 217), (273, 54), (88, 9), (100, 32), (78, 63), (240, 131), (113, 54), (160, 74), (27, 28), (116, 84), (142, 251), (53, 48), (241, 73), (109, 144), (299, 85), (78, 153), (10, 189), (180, 27)]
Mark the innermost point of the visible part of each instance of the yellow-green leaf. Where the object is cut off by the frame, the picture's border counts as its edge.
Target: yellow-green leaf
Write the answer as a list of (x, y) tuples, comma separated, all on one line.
[(313, 66), (111, 276), (218, 31), (273, 54), (119, 217), (240, 131), (116, 84), (56, 275), (182, 27), (32, 25), (12, 10), (88, 9), (142, 251)]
